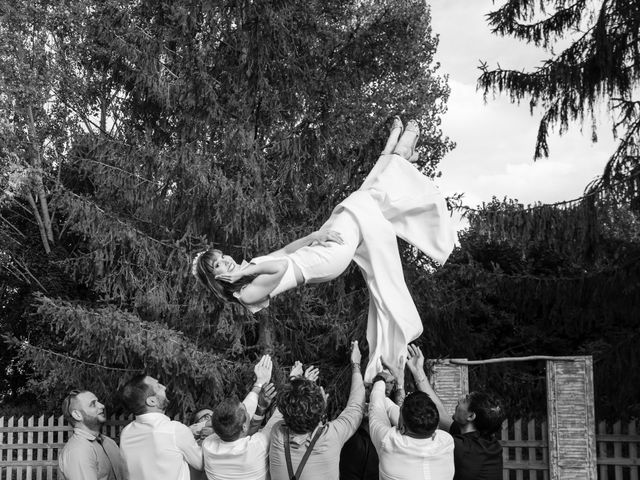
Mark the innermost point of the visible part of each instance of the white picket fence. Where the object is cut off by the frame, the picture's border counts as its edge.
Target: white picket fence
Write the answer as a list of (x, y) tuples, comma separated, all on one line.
[(29, 448)]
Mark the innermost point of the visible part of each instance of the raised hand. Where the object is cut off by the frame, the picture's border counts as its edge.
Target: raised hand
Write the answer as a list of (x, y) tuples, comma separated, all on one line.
[(230, 277), (325, 395), (312, 373), (263, 370), (396, 370), (356, 356), (267, 394), (296, 370), (415, 360)]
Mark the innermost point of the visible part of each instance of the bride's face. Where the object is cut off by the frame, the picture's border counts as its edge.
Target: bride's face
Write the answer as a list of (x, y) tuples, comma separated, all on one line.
[(223, 263)]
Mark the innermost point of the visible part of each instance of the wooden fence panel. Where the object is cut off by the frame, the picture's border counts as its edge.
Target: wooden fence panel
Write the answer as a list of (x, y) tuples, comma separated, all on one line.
[(531, 451), (40, 455), (524, 450), (19, 434), (571, 416), (618, 451), (504, 436), (9, 452), (603, 469), (633, 451), (51, 440), (545, 451), (61, 438), (517, 435), (29, 447), (29, 451)]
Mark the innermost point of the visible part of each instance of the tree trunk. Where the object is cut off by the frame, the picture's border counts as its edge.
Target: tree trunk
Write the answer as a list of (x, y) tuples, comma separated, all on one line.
[(45, 218), (41, 227), (103, 114), (265, 339)]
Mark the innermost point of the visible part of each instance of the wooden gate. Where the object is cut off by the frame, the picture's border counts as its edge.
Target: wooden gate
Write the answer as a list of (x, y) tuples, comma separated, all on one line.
[(571, 437)]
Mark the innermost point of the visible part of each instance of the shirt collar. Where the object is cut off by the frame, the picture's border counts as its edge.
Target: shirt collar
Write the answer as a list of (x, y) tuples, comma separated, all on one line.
[(87, 435), (151, 417)]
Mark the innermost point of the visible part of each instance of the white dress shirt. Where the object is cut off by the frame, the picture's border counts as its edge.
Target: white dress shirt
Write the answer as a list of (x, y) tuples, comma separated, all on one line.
[(246, 458), (156, 448), (403, 457)]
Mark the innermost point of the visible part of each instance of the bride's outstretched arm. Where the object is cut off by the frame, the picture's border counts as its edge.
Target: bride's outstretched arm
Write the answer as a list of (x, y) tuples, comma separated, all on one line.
[(319, 236)]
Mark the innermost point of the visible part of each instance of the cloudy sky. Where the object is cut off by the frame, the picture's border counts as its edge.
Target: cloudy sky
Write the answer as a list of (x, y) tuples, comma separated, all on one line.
[(495, 141)]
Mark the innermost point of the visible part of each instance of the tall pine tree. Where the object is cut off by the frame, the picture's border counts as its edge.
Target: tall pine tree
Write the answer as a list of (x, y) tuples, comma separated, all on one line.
[(161, 128)]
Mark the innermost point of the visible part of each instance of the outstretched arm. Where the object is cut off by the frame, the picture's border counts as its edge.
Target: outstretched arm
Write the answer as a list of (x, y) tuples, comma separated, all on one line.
[(349, 420), (415, 363), (262, 371), (320, 236), (265, 399), (379, 423)]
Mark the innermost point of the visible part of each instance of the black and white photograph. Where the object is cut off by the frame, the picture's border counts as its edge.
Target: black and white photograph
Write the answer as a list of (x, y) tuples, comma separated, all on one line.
[(319, 240)]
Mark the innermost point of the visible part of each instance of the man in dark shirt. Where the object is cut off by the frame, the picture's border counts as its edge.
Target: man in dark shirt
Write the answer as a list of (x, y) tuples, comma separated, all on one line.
[(358, 457), (477, 454)]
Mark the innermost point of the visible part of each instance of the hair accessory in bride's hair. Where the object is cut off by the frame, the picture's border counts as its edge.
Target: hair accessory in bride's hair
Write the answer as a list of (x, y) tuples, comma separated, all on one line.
[(194, 264)]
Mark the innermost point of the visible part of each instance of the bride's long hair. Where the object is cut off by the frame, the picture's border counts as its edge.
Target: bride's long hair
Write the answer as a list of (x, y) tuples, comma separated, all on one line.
[(202, 269)]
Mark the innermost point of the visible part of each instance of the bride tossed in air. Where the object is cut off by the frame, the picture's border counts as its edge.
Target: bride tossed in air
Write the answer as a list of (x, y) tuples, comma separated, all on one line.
[(395, 200)]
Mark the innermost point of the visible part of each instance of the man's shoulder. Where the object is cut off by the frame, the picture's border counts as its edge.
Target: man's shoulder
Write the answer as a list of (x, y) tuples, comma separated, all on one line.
[(75, 449), (276, 433), (76, 442), (278, 426), (108, 440), (125, 430), (178, 425), (259, 440), (444, 436), (211, 441), (475, 441)]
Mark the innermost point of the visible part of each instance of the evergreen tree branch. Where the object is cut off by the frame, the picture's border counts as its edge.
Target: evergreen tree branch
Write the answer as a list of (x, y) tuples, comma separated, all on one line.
[(20, 344), (540, 33)]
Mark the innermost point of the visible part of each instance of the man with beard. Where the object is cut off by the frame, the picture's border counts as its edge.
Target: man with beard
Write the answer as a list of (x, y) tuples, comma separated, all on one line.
[(153, 446), (88, 455)]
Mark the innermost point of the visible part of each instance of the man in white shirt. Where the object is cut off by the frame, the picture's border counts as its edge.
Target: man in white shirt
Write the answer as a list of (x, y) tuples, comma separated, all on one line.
[(407, 440), (233, 452), (153, 446)]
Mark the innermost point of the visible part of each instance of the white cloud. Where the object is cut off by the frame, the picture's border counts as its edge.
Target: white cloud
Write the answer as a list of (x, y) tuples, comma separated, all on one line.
[(495, 141)]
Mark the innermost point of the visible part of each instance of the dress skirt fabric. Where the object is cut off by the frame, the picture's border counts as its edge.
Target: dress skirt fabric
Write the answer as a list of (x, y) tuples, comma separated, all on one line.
[(395, 200)]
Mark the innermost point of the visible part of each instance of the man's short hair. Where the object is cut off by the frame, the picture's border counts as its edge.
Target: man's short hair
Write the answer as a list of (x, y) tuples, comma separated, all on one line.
[(202, 414), (489, 413), (135, 393), (302, 405), (228, 418), (68, 405), (420, 414)]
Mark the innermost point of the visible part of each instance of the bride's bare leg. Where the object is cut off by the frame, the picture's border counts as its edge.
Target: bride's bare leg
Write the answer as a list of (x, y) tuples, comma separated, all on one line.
[(394, 134), (406, 146)]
